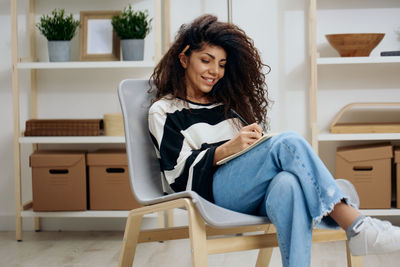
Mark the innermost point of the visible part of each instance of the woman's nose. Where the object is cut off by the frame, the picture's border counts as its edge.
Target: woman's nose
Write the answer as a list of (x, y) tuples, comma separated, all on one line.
[(214, 70)]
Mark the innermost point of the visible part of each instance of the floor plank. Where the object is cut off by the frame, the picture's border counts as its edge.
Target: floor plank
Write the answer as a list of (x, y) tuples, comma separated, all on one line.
[(82, 249)]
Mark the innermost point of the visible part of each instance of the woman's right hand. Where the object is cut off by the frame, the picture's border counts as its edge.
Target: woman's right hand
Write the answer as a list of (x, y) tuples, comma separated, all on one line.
[(246, 137)]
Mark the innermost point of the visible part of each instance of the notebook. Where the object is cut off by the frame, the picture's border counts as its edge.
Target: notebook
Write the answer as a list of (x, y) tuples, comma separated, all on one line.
[(237, 154)]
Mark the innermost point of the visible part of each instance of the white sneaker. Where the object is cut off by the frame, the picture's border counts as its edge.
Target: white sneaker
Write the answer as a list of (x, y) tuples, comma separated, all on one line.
[(374, 237)]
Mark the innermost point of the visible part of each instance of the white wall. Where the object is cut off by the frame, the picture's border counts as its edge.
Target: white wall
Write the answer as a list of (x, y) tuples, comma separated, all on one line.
[(279, 29), (6, 130)]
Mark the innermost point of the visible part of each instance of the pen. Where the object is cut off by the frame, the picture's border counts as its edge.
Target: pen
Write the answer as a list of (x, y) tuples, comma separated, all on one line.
[(235, 114)]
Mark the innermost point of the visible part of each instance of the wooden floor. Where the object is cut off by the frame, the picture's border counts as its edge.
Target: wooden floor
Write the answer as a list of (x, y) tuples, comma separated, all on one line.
[(84, 249)]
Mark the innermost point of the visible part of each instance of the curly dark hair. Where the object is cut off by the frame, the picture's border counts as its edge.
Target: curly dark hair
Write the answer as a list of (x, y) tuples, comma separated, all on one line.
[(242, 88)]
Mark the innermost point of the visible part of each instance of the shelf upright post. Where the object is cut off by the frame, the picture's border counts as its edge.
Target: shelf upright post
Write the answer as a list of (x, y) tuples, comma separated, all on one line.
[(166, 31), (157, 30), (33, 93), (32, 44), (16, 120), (229, 7), (313, 93)]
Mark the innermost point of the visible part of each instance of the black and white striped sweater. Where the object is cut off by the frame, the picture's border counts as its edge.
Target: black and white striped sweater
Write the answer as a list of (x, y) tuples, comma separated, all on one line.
[(185, 136)]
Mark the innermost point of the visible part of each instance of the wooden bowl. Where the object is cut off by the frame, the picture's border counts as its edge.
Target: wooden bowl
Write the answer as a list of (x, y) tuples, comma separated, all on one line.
[(354, 44)]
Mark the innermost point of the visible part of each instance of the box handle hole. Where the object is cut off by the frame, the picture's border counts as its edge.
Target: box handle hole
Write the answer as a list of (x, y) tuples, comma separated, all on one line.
[(51, 171), (362, 168), (115, 170)]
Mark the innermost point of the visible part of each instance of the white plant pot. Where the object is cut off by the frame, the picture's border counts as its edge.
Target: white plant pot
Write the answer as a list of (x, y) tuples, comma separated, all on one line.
[(59, 50), (132, 49)]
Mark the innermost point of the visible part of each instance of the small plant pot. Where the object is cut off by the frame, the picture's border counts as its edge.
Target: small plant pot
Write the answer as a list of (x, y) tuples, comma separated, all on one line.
[(132, 49), (59, 50)]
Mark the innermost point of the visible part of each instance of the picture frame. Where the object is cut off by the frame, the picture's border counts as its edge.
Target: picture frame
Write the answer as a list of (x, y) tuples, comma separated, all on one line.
[(97, 39)]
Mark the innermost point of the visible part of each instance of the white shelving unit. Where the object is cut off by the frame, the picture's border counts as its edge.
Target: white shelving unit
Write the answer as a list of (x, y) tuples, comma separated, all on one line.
[(356, 60), (381, 212), (161, 10), (322, 135), (325, 136), (72, 140), (86, 65)]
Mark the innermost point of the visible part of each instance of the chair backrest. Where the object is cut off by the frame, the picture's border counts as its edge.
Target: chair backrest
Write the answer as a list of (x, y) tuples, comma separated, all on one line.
[(144, 169)]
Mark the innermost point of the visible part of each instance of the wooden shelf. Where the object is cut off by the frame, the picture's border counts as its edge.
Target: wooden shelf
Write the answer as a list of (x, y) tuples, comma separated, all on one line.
[(356, 60), (82, 214), (86, 65), (325, 136), (72, 140)]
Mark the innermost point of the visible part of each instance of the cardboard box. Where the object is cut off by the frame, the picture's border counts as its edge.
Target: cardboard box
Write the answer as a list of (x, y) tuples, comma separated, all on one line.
[(109, 183), (58, 180), (397, 174), (369, 168)]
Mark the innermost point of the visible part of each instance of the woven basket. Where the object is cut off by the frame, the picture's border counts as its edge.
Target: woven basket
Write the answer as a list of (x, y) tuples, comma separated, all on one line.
[(113, 124), (63, 127)]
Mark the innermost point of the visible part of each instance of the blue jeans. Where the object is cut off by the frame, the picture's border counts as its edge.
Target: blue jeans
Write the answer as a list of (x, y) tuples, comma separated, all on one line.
[(285, 180)]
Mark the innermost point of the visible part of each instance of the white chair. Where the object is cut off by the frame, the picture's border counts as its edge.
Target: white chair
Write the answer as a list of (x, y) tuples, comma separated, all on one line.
[(205, 218)]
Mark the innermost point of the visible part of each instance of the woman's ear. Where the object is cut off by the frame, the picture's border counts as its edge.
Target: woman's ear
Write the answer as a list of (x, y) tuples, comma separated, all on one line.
[(183, 59)]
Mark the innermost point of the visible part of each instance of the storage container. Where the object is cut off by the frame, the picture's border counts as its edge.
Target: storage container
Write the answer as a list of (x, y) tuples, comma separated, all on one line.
[(58, 180), (369, 168), (109, 184)]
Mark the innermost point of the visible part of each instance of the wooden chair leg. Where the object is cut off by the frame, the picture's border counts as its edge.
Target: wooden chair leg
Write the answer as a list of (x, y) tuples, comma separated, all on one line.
[(129, 243), (165, 218), (161, 219), (170, 218), (353, 261), (198, 238), (265, 254)]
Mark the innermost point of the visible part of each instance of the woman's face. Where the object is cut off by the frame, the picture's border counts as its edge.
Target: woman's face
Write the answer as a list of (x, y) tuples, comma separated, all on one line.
[(204, 68)]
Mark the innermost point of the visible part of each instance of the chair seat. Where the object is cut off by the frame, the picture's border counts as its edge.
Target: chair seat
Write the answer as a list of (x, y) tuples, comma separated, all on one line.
[(214, 215), (219, 217)]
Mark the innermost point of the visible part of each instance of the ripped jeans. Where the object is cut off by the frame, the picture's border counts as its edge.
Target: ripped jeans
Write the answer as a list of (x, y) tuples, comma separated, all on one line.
[(285, 180)]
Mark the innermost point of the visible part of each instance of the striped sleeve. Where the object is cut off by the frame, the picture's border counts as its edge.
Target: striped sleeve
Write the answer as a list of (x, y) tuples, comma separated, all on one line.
[(184, 167), (185, 137)]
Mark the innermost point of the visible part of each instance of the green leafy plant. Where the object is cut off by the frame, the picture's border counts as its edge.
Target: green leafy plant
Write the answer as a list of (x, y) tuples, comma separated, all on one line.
[(131, 24), (58, 27)]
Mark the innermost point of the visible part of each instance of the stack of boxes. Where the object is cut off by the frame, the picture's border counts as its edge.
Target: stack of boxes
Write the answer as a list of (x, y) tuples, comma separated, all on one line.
[(76, 180), (369, 169), (67, 181)]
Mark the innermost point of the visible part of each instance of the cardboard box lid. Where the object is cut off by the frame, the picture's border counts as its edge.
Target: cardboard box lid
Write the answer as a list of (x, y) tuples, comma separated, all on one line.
[(365, 152), (397, 154), (107, 157), (49, 158)]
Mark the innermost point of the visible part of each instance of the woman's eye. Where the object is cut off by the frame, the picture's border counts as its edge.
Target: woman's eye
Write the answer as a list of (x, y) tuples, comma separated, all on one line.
[(205, 61), (222, 66)]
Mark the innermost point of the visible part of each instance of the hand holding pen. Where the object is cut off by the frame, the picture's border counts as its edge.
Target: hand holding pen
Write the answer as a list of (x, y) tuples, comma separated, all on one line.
[(235, 114)]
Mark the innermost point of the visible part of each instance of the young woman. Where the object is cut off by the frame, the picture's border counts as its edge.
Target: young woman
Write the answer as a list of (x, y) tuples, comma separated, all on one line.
[(211, 71)]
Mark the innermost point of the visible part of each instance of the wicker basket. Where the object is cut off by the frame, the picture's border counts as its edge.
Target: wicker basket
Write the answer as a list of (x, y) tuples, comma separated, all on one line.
[(63, 127), (113, 124)]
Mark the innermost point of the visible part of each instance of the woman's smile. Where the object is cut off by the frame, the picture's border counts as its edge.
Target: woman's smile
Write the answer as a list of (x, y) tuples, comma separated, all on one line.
[(209, 81)]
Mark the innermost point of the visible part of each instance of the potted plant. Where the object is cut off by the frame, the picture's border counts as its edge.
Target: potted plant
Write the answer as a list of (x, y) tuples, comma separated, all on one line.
[(58, 29), (132, 27)]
